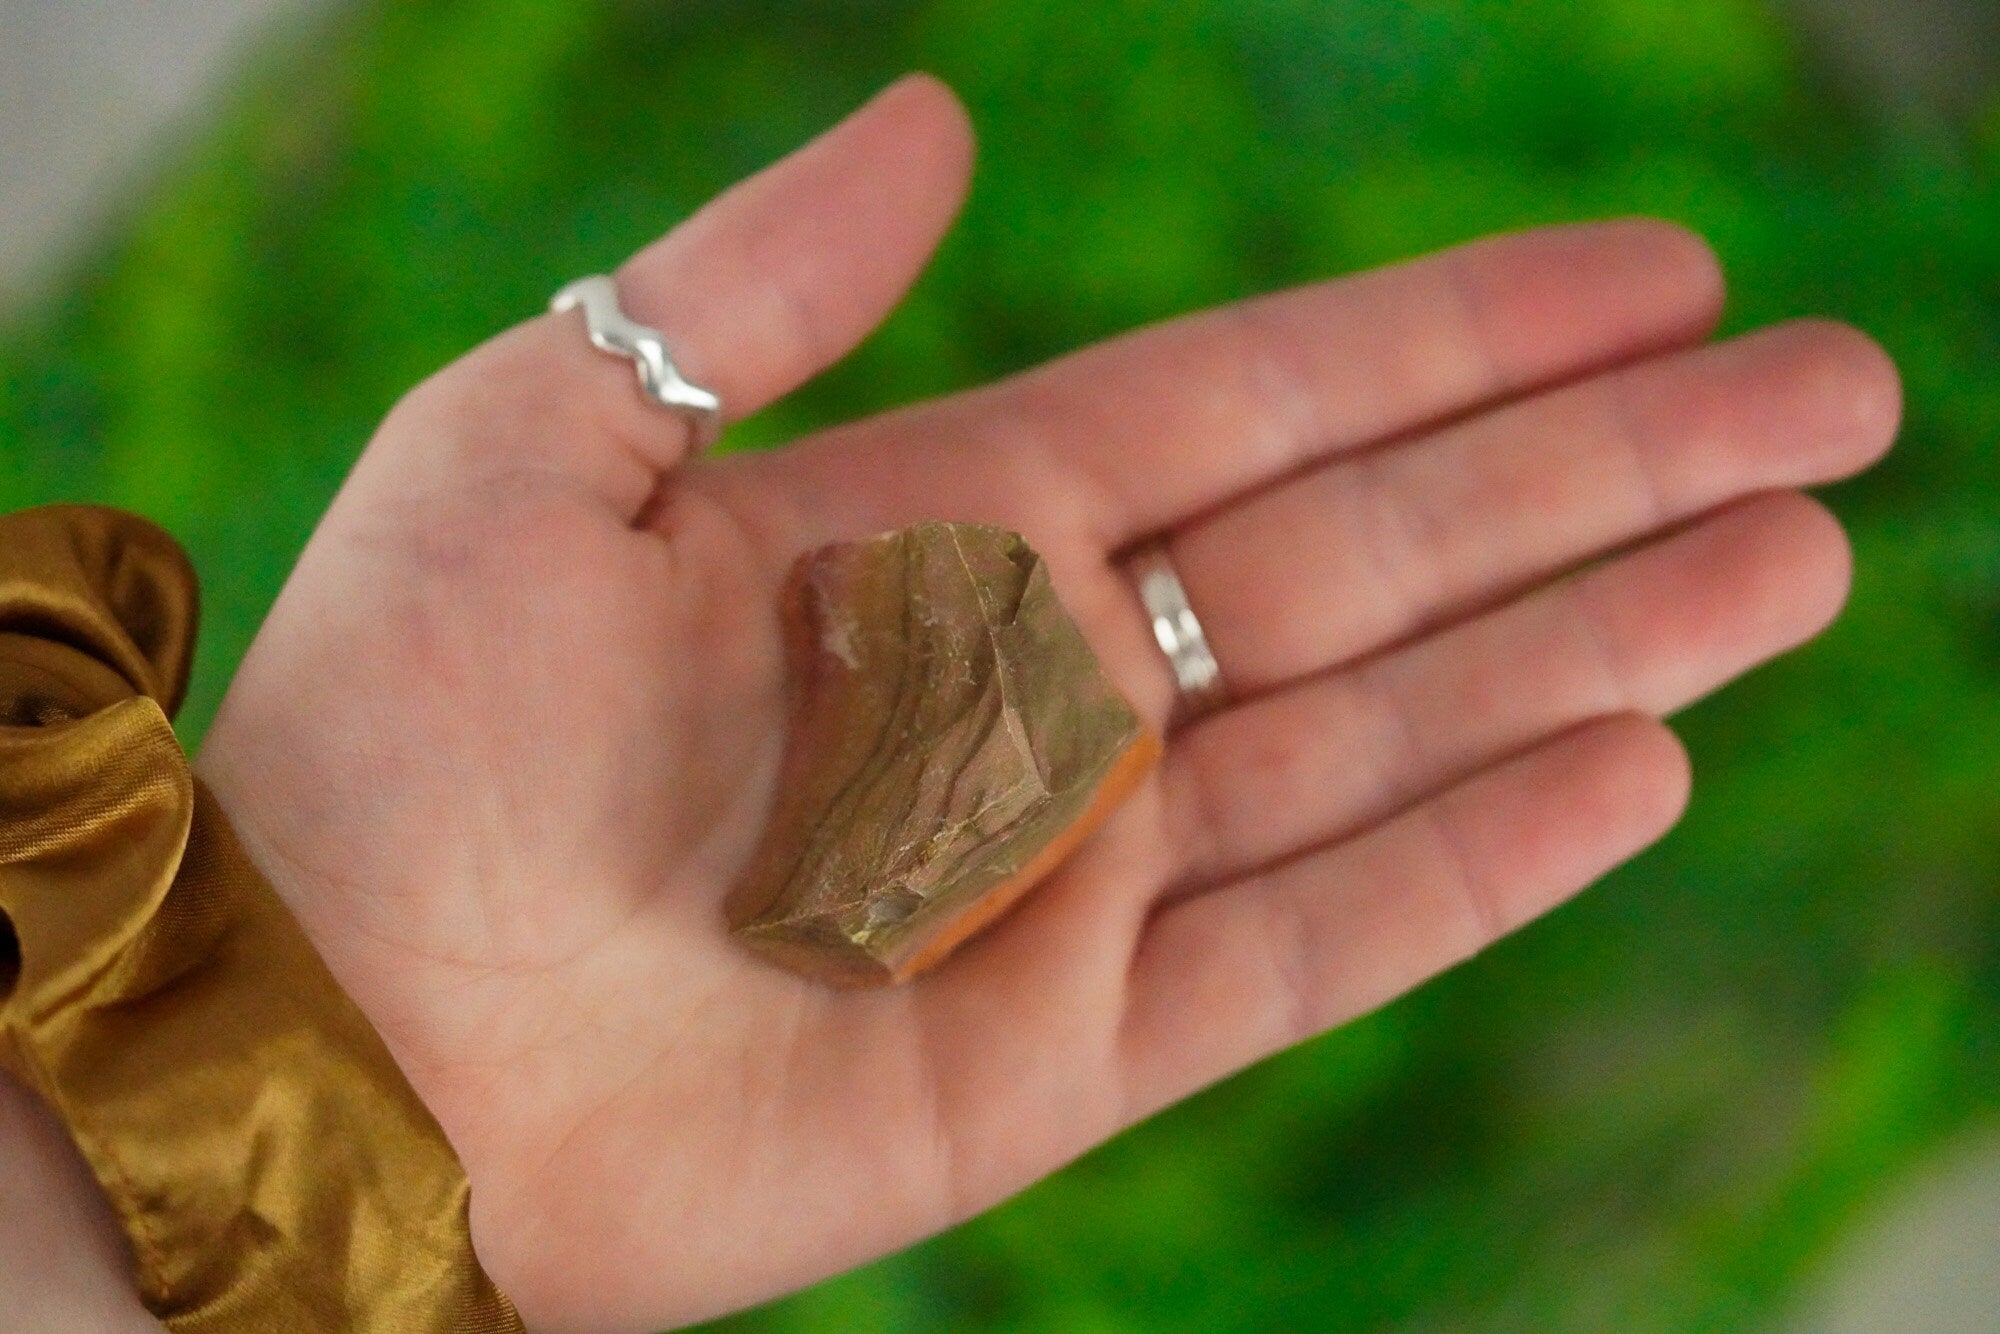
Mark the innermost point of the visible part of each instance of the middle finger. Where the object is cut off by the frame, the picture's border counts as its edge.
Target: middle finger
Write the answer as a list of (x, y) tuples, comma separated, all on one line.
[(1345, 559)]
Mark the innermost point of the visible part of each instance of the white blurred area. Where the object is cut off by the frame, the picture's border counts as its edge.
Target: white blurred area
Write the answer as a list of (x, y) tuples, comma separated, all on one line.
[(1927, 1258), (87, 90), (92, 91)]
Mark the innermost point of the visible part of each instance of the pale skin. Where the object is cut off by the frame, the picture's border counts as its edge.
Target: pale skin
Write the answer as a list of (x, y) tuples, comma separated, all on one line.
[(1462, 531)]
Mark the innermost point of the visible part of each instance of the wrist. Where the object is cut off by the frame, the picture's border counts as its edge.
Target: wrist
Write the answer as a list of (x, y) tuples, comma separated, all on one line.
[(244, 1121), (63, 1262)]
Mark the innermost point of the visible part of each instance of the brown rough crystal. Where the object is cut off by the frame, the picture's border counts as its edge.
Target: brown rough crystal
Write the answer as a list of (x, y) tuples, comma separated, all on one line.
[(952, 739)]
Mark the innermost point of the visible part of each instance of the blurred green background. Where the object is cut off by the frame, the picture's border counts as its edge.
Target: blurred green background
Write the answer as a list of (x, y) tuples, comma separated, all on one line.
[(1663, 1108)]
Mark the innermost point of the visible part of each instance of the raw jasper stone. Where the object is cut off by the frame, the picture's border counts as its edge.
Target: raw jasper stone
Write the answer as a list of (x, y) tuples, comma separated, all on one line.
[(952, 739)]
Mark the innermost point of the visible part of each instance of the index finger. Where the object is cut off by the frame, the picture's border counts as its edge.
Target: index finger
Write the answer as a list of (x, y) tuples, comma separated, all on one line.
[(1153, 427), (1176, 419)]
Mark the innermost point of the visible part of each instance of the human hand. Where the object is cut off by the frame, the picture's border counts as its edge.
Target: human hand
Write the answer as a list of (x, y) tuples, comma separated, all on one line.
[(64, 1265), (513, 725)]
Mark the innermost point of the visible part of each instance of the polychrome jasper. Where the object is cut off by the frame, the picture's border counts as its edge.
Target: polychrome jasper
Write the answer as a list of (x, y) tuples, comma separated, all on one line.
[(952, 739)]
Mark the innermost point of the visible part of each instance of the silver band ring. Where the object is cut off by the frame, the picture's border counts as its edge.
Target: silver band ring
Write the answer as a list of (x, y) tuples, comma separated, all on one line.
[(612, 330), (1175, 627)]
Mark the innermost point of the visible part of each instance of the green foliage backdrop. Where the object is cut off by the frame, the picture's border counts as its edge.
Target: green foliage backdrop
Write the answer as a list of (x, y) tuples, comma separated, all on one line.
[(1655, 1110)]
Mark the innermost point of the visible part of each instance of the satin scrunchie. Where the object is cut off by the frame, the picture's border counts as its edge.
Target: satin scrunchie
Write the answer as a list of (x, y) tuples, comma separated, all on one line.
[(269, 1163)]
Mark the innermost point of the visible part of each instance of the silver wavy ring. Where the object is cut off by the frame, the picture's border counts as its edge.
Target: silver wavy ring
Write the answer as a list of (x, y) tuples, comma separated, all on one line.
[(612, 330), (1176, 628)]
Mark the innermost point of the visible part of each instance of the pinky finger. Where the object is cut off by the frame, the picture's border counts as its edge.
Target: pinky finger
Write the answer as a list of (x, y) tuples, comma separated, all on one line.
[(1231, 975)]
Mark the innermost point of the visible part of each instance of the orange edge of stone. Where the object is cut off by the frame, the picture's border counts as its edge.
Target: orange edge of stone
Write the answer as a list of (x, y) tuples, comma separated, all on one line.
[(1118, 784)]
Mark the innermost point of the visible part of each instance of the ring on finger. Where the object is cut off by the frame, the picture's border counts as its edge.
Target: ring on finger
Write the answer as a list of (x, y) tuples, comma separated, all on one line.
[(613, 331), (1176, 628)]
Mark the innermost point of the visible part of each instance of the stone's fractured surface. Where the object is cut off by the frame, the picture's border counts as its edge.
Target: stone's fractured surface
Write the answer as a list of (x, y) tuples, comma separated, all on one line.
[(952, 739)]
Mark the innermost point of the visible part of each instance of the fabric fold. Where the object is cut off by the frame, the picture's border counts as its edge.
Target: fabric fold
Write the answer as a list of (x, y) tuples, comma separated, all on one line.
[(268, 1161)]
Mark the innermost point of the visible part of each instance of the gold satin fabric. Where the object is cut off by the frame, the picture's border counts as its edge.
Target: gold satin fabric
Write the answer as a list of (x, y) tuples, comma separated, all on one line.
[(270, 1164)]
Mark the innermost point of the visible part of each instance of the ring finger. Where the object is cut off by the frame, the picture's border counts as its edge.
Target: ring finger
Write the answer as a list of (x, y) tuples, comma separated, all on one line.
[(1647, 633)]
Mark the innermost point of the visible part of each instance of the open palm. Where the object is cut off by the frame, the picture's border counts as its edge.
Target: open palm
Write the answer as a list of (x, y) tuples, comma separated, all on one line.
[(513, 726)]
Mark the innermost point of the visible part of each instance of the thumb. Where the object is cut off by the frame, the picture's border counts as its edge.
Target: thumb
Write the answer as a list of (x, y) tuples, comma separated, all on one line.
[(765, 286)]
